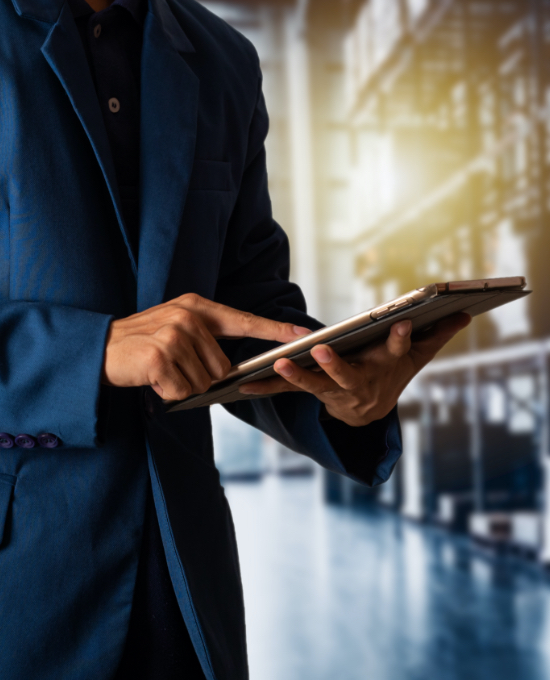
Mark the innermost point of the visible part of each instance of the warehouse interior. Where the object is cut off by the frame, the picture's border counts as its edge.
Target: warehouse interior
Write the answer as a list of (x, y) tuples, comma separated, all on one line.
[(409, 143)]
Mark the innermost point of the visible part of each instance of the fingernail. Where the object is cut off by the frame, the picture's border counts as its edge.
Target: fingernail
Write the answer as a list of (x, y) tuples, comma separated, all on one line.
[(284, 369), (299, 330), (404, 328), (322, 355)]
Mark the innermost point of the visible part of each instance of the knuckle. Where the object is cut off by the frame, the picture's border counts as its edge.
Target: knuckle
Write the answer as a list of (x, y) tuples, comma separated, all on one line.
[(249, 321), (285, 329), (203, 385), (182, 392), (189, 321), (154, 357), (222, 368), (170, 335), (182, 316), (193, 299), (350, 385)]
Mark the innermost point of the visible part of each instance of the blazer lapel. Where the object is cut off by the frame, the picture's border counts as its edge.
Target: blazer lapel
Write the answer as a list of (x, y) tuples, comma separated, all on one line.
[(169, 104), (63, 51)]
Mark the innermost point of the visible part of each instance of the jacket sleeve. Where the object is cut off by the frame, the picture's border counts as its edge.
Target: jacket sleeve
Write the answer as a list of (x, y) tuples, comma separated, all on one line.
[(254, 277), (51, 359)]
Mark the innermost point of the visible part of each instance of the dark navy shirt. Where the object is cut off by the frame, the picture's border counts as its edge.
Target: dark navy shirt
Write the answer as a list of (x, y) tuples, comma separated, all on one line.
[(112, 41), (158, 645)]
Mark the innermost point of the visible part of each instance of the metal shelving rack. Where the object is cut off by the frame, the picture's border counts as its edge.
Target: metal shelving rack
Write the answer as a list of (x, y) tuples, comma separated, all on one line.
[(458, 101)]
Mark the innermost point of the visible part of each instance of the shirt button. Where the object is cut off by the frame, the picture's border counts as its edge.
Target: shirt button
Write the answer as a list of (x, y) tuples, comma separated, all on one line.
[(25, 441), (114, 105), (97, 31), (48, 440), (6, 440)]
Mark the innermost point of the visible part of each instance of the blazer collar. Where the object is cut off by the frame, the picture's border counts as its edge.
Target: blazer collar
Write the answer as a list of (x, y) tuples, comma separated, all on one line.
[(170, 26), (48, 11)]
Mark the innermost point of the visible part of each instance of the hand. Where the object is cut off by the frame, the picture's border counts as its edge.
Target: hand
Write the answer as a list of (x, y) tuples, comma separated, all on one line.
[(172, 347), (367, 389)]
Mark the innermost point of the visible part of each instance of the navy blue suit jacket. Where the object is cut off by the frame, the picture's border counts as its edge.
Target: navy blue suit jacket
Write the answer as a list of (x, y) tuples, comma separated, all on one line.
[(71, 517)]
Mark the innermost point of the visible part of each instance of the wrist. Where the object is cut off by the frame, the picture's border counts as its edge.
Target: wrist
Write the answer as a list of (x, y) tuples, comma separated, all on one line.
[(105, 369)]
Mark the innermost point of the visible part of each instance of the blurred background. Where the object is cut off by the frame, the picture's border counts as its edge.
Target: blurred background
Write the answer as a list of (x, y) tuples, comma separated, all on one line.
[(409, 143)]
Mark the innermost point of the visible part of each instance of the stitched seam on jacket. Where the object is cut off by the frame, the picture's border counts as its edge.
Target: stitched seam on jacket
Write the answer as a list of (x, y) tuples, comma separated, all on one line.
[(179, 562)]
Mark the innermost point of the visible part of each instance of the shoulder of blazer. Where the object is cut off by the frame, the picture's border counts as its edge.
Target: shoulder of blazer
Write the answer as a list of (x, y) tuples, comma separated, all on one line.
[(211, 34)]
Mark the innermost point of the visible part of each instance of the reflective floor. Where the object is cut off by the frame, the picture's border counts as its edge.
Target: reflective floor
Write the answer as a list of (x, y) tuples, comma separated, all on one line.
[(339, 594)]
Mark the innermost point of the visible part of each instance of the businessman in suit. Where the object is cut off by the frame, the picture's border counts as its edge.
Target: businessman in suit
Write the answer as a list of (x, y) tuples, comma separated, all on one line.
[(136, 244)]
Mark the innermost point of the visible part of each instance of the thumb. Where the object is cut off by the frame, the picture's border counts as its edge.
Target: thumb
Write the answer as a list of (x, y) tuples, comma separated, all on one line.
[(399, 341)]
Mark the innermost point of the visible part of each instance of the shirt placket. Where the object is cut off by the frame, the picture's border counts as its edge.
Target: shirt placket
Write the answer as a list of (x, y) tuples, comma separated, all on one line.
[(119, 105)]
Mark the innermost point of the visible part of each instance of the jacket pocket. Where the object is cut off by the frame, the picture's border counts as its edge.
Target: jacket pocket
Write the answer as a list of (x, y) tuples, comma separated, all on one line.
[(7, 485), (210, 176)]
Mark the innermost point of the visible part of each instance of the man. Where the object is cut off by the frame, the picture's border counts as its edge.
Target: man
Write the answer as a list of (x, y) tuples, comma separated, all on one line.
[(136, 233)]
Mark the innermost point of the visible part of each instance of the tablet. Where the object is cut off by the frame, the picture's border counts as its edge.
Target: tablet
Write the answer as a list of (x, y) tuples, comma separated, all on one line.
[(423, 306)]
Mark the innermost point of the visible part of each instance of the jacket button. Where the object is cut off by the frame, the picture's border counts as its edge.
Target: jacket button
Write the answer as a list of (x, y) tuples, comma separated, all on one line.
[(6, 440), (25, 441), (48, 440)]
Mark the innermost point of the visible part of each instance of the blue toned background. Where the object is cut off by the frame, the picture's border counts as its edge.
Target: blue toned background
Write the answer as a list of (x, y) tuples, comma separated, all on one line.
[(409, 143)]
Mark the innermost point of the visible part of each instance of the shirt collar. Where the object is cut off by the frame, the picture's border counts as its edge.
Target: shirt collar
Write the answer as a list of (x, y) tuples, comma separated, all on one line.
[(137, 8)]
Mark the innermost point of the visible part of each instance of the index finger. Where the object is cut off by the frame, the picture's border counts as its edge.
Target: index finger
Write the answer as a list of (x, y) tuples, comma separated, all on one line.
[(226, 322)]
